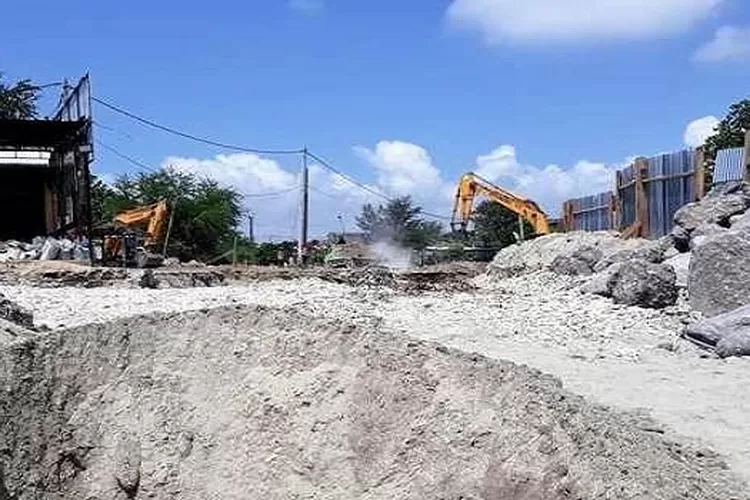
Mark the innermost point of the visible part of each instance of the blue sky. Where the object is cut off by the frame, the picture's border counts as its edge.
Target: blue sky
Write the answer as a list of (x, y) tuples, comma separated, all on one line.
[(403, 95)]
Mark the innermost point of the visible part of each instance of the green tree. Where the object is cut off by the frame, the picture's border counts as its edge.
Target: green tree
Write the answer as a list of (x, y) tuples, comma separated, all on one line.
[(495, 225), (18, 101), (400, 222), (204, 214), (730, 133)]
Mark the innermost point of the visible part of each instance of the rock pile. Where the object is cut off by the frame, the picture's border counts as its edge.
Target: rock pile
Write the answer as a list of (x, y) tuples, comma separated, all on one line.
[(41, 248), (629, 271)]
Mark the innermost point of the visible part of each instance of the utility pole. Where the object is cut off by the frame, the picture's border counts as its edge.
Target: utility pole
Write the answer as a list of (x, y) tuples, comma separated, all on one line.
[(302, 243), (250, 233)]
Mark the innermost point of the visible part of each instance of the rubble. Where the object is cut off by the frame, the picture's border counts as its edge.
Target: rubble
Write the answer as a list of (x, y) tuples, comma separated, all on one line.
[(727, 334), (44, 249), (681, 265), (539, 253)]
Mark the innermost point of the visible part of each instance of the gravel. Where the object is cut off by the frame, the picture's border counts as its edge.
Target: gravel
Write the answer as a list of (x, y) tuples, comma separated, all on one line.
[(607, 352)]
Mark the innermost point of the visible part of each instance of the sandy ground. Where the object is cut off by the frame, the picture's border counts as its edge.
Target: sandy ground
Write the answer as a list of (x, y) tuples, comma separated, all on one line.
[(624, 357)]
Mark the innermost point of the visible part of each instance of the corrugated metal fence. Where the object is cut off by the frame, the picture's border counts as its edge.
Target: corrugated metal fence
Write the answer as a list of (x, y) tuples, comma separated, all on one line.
[(730, 165), (670, 185), (590, 213), (646, 197)]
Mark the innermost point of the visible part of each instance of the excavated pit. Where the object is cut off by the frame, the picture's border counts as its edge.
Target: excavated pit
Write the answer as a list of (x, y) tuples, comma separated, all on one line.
[(250, 402)]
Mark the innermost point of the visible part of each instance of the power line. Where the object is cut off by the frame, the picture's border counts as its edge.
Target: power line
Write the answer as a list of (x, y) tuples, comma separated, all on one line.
[(362, 186), (192, 137), (125, 157), (269, 195)]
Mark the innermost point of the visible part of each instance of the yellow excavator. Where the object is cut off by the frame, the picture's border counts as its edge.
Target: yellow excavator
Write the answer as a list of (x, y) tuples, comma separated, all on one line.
[(472, 186), (126, 246)]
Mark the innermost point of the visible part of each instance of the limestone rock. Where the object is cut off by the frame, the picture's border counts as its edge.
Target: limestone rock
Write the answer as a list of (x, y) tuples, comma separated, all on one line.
[(645, 284), (728, 334), (719, 279)]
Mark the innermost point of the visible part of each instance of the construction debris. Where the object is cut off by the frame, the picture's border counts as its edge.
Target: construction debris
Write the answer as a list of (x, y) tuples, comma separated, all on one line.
[(727, 334), (44, 249), (539, 254)]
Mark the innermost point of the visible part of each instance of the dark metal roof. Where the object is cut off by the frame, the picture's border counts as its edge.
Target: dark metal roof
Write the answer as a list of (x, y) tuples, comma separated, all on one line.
[(40, 134)]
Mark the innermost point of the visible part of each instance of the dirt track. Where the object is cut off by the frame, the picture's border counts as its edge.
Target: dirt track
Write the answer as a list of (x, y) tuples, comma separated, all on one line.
[(245, 402)]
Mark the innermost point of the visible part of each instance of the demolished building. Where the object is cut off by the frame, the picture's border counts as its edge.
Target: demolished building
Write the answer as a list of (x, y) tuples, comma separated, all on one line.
[(45, 170)]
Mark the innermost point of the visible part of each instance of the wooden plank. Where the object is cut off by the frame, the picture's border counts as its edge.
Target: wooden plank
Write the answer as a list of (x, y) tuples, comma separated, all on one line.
[(641, 197), (699, 171), (593, 209)]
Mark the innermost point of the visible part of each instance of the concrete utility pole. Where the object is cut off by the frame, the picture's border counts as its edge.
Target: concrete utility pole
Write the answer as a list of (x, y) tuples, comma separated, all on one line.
[(250, 230), (302, 243)]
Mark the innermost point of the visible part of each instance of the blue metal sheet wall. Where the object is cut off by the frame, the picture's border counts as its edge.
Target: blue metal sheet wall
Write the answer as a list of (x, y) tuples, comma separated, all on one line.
[(730, 165), (670, 187), (592, 213)]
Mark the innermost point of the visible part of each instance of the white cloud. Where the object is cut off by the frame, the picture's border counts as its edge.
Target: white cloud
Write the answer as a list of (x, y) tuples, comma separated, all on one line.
[(400, 168), (728, 44), (273, 195), (699, 130), (307, 6), (549, 186), (533, 21)]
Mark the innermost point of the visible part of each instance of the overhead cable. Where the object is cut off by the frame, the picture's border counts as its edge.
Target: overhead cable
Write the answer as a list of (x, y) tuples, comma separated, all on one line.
[(192, 137), (361, 185), (125, 157)]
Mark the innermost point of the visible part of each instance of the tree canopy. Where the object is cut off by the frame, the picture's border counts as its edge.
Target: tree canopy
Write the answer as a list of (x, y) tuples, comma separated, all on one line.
[(495, 225), (18, 101), (205, 214), (399, 222), (730, 133)]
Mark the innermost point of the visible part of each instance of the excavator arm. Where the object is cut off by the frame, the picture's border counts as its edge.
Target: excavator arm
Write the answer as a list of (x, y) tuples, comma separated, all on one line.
[(472, 186), (153, 216)]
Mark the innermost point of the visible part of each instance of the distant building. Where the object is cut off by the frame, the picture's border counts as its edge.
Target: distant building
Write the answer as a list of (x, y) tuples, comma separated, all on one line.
[(359, 238)]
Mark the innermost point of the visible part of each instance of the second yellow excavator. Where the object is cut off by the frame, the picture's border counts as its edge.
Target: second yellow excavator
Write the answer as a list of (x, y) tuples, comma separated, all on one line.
[(472, 186), (125, 247)]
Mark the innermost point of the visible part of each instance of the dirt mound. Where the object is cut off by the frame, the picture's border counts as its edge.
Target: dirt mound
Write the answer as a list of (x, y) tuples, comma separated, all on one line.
[(272, 404)]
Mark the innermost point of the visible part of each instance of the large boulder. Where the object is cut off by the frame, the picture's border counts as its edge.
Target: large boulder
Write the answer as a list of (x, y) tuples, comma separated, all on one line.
[(645, 284), (651, 251), (703, 233), (711, 210), (579, 263), (717, 208), (727, 334), (740, 222), (719, 279)]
